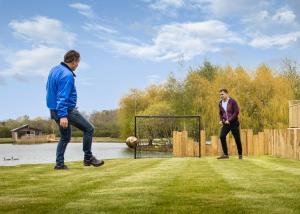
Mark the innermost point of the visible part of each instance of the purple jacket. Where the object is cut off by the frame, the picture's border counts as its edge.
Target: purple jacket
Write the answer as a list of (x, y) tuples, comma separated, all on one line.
[(232, 111)]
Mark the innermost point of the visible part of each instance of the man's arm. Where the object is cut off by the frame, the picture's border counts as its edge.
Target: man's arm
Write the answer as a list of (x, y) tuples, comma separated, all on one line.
[(235, 111), (65, 86), (220, 114)]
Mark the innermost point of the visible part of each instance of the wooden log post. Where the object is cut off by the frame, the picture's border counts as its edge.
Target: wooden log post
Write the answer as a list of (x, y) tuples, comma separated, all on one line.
[(261, 146), (250, 141), (255, 144), (203, 142), (175, 143), (214, 144), (244, 141)]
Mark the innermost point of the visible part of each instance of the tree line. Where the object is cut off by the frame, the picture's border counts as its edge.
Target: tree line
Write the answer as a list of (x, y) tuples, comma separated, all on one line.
[(262, 95), (105, 123)]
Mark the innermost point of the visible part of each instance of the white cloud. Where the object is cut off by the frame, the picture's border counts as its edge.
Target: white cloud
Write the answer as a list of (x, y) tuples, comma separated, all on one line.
[(153, 79), (174, 40), (84, 10), (163, 5), (43, 31), (264, 19), (224, 8), (217, 8), (89, 27), (280, 40), (33, 62), (284, 16)]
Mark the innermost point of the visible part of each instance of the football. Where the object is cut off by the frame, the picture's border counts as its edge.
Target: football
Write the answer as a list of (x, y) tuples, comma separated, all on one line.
[(131, 141)]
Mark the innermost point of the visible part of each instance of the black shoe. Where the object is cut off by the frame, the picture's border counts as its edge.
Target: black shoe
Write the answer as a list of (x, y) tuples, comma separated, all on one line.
[(61, 167), (223, 157), (93, 161), (240, 157)]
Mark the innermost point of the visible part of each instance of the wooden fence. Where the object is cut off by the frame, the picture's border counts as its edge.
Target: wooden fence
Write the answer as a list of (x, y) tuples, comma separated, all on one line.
[(276, 142), (36, 139), (294, 113)]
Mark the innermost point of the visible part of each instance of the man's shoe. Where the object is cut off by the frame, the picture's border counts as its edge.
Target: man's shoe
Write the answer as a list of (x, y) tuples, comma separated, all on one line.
[(61, 167), (223, 157), (240, 157), (93, 161)]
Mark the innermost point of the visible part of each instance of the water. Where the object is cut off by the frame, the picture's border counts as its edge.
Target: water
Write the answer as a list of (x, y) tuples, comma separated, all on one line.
[(45, 153)]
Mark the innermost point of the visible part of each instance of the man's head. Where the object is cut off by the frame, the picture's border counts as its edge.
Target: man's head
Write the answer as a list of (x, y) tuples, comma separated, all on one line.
[(72, 59), (224, 94)]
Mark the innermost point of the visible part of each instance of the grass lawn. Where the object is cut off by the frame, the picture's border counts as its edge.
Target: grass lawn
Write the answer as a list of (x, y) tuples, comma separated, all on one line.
[(6, 140), (170, 185)]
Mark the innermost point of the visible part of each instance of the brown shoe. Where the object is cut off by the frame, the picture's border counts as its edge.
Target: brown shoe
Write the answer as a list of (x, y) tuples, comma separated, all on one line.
[(223, 157), (93, 161), (61, 167)]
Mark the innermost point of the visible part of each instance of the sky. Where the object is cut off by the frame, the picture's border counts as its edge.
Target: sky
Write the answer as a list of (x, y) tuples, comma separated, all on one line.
[(126, 44)]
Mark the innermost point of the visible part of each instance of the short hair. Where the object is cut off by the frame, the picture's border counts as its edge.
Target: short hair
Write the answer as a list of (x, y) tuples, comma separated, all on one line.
[(71, 56), (224, 90)]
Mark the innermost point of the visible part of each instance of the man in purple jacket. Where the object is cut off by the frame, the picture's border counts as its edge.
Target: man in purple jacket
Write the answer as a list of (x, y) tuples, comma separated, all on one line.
[(229, 111)]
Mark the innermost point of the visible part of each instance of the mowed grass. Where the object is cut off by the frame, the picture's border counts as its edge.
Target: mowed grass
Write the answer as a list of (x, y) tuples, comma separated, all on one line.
[(169, 185)]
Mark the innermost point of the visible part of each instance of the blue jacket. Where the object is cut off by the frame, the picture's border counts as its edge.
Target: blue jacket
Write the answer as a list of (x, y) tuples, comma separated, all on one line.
[(61, 90)]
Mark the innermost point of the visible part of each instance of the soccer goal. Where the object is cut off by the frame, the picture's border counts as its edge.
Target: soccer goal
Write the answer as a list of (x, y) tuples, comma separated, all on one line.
[(155, 134)]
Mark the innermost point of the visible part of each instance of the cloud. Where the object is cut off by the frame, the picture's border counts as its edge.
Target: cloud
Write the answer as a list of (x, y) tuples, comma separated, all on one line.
[(41, 30), (174, 40), (216, 8), (285, 16), (33, 62), (97, 28), (265, 19), (279, 41), (221, 8), (153, 79), (84, 10), (163, 5)]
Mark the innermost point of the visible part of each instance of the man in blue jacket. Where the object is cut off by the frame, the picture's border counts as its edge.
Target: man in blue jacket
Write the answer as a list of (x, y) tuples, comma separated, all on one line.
[(229, 111), (61, 100)]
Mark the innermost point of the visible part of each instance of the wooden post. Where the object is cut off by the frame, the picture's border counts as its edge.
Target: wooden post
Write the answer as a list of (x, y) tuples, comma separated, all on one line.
[(244, 141), (266, 141), (250, 141), (203, 143), (255, 144), (214, 144), (196, 149), (261, 146), (208, 149)]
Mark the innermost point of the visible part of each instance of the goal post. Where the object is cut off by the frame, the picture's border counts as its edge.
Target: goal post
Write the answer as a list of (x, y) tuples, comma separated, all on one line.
[(155, 133)]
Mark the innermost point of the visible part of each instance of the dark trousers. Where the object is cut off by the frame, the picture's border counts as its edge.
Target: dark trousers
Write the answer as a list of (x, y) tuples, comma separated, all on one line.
[(234, 127), (76, 119)]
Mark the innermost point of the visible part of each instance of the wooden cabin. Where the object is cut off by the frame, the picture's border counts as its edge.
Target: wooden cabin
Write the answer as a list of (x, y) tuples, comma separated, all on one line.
[(25, 131)]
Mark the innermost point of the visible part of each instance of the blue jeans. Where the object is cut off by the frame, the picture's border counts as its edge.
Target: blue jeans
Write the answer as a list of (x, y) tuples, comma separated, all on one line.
[(76, 119)]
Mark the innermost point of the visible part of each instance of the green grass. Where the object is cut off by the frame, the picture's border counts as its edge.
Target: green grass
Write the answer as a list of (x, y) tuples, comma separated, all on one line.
[(170, 185), (6, 140)]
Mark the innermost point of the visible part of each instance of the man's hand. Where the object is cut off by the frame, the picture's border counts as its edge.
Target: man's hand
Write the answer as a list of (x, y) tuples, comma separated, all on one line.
[(221, 122), (226, 122), (63, 122)]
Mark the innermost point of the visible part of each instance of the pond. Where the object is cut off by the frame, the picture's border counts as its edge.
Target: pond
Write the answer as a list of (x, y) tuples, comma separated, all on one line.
[(45, 153)]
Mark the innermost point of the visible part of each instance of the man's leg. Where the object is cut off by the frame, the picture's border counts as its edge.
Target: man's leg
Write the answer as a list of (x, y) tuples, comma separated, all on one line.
[(77, 120), (65, 137), (224, 131), (235, 130)]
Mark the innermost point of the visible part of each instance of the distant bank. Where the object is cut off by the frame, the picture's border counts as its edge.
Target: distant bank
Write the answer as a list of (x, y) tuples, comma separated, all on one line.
[(73, 140)]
